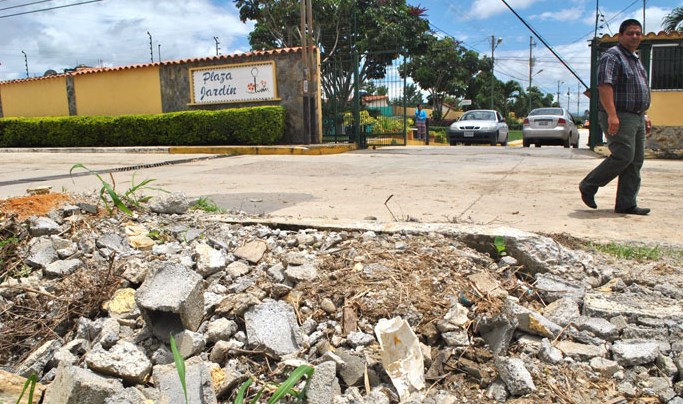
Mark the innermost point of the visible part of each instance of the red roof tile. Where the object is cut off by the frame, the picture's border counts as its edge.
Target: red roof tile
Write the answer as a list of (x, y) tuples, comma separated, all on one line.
[(88, 70)]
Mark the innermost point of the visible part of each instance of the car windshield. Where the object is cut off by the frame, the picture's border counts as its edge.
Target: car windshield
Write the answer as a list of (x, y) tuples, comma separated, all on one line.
[(479, 116), (546, 111)]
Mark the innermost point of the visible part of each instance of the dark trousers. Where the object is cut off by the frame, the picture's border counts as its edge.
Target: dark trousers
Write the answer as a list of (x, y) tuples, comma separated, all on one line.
[(627, 150)]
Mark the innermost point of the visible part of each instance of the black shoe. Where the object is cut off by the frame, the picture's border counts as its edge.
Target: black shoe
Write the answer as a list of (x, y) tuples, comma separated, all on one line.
[(633, 211), (588, 198)]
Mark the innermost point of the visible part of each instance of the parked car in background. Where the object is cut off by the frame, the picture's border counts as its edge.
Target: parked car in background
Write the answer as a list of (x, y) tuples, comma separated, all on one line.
[(550, 126), (479, 126)]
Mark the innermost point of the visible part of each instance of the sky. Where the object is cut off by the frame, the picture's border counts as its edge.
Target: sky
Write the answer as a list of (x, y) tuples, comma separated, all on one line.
[(118, 33)]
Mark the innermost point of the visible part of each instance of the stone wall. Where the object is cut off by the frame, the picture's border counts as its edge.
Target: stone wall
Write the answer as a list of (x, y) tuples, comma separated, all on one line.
[(176, 91), (666, 141)]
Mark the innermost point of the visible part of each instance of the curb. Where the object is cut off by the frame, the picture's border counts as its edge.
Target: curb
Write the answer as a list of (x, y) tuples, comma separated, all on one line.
[(307, 150)]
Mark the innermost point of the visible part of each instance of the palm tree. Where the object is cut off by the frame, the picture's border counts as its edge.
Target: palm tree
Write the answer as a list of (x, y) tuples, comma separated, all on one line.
[(673, 21)]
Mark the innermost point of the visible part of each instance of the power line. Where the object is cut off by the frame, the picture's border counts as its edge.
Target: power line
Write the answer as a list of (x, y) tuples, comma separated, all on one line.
[(48, 9), (24, 5)]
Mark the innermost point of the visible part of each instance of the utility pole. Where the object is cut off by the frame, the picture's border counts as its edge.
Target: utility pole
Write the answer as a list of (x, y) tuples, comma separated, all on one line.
[(559, 83), (25, 62), (644, 32), (159, 53), (151, 52), (578, 98), (568, 93), (494, 45), (531, 58), (218, 50)]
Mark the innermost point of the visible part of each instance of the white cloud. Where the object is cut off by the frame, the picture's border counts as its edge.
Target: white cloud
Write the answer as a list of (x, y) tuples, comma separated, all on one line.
[(568, 14), (482, 9), (114, 33)]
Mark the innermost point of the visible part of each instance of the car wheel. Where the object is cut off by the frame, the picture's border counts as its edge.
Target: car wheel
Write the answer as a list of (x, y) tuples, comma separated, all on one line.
[(537, 144), (526, 143), (566, 142), (505, 141), (576, 144), (494, 140)]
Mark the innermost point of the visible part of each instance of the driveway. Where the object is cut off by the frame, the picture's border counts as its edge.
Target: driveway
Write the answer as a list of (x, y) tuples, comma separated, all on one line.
[(533, 189)]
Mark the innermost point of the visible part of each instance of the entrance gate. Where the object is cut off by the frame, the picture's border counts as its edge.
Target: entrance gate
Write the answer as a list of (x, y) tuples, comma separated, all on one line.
[(371, 113)]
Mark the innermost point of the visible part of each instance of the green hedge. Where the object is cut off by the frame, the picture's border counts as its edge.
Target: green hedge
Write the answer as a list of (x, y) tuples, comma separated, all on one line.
[(237, 126)]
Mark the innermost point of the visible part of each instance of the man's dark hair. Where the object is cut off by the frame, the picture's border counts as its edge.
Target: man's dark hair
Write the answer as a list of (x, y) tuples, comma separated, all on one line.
[(628, 23)]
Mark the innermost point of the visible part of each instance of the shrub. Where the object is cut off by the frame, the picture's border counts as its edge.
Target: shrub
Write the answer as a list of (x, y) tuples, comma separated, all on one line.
[(237, 126)]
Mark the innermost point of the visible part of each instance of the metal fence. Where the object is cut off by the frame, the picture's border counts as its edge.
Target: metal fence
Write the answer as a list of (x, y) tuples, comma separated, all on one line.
[(371, 113)]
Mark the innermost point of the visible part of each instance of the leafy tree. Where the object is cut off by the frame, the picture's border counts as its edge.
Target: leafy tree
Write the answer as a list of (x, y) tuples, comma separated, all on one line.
[(445, 69), (673, 21), (379, 30), (412, 96)]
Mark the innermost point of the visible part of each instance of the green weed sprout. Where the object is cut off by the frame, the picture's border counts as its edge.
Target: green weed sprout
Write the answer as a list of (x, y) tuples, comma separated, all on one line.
[(29, 384), (284, 389), (119, 201), (499, 243), (180, 366)]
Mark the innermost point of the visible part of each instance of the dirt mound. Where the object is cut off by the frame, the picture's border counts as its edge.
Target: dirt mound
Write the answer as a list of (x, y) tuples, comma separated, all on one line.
[(24, 207)]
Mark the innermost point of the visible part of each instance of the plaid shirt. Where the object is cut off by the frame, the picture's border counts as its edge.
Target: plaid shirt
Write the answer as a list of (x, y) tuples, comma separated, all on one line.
[(627, 76)]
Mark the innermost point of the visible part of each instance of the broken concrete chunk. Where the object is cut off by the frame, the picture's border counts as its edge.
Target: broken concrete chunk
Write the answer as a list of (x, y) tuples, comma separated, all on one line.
[(324, 385), (209, 260), (487, 284), (552, 287), (301, 273), (629, 353), (12, 386), (171, 299), (604, 366), (562, 311), (43, 226), (632, 306), (198, 380), (582, 352), (533, 322), (252, 251), (548, 353), (61, 268), (41, 253), (189, 343), (74, 385), (36, 361), (273, 325), (599, 327), (515, 376), (498, 332), (176, 203), (124, 360)]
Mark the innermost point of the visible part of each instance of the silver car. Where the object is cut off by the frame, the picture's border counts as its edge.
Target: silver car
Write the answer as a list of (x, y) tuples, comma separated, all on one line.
[(554, 126), (479, 126)]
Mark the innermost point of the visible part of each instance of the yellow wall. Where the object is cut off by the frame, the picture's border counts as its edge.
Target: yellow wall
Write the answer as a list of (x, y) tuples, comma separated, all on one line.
[(29, 98), (665, 109), (120, 92)]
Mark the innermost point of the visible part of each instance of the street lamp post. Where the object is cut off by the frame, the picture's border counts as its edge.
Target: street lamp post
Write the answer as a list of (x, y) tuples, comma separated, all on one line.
[(559, 83), (494, 45), (529, 92)]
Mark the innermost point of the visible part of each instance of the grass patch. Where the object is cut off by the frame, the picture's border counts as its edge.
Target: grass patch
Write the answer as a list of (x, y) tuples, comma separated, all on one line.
[(207, 205), (514, 135), (624, 251)]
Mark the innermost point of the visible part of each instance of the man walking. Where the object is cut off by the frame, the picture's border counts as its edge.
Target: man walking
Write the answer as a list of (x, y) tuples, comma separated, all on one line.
[(624, 99)]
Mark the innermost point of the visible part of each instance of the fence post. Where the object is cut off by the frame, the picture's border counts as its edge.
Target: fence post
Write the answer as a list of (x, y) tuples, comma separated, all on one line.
[(427, 131)]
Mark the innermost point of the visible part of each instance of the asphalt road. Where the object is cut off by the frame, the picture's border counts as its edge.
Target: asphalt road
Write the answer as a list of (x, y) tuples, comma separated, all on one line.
[(533, 189)]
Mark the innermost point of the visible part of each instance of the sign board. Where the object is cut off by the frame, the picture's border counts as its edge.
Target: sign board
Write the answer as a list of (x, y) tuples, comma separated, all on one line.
[(233, 83), (465, 102)]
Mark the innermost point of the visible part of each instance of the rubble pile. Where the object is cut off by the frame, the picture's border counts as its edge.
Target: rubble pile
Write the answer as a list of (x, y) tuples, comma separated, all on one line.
[(417, 313)]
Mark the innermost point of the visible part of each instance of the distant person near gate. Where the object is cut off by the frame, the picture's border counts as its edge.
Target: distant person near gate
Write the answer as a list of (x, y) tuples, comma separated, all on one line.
[(421, 122)]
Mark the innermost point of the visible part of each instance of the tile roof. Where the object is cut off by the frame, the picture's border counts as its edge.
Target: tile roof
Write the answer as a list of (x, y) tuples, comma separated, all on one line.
[(88, 70), (650, 36)]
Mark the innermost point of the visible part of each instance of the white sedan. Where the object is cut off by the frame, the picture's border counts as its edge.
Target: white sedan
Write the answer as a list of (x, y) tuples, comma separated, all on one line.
[(479, 126), (550, 126)]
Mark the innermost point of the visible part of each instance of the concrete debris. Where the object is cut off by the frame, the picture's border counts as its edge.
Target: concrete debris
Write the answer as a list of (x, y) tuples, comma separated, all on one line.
[(244, 297), (273, 326)]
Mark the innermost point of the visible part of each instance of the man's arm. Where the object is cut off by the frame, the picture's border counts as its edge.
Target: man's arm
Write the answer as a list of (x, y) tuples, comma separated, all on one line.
[(607, 100)]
